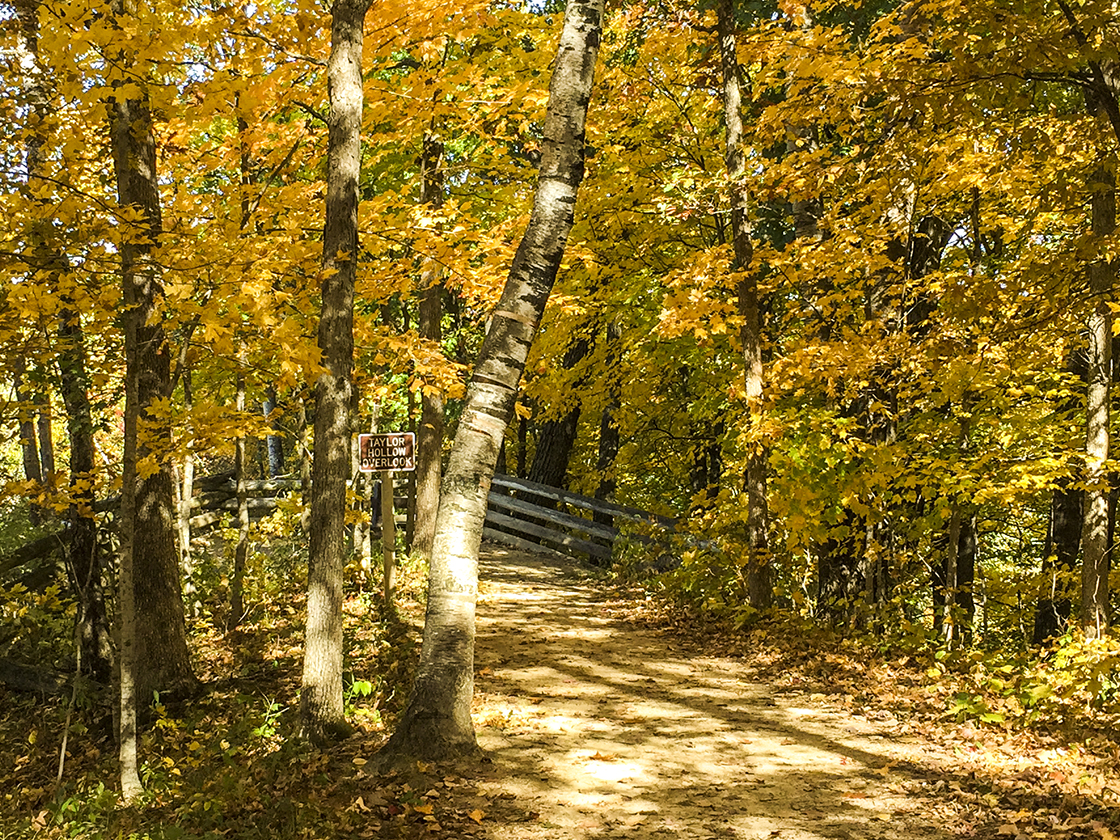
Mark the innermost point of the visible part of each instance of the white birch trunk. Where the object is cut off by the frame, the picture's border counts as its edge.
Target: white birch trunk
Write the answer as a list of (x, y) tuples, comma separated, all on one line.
[(437, 723)]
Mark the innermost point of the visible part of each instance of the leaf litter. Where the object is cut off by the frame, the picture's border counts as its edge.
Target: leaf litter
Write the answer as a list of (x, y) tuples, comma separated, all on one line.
[(604, 714)]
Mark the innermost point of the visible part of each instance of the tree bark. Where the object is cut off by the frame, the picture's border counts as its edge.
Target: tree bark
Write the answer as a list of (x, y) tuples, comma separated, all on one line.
[(274, 443), (759, 586), (45, 428), (609, 438), (437, 723), (83, 554), (240, 477), (1063, 538), (557, 436), (321, 704), (191, 600), (162, 659), (429, 438), (28, 439), (84, 568), (1094, 532)]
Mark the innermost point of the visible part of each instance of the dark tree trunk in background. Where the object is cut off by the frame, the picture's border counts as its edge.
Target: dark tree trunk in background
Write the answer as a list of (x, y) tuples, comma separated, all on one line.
[(839, 579), (83, 555), (968, 550), (609, 439), (522, 446), (437, 722), (706, 469), (429, 437), (952, 579), (1063, 538), (305, 427), (556, 437), (322, 716), (45, 427), (28, 437)]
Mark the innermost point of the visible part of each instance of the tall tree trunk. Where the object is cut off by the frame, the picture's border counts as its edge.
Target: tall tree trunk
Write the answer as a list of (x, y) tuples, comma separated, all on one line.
[(84, 568), (1063, 538), (437, 722), (83, 553), (241, 481), (760, 589), (28, 438), (162, 659), (274, 443), (429, 439), (321, 708), (191, 600), (1094, 533), (45, 427), (609, 439)]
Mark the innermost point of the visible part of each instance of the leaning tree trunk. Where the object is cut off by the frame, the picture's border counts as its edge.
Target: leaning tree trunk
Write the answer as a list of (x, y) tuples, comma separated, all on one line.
[(321, 707), (759, 587), (437, 723)]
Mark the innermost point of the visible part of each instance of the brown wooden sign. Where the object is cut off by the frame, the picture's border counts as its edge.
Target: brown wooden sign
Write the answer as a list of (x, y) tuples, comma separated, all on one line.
[(388, 451)]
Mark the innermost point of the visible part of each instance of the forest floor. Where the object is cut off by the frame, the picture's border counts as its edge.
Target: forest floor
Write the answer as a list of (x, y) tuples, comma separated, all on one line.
[(607, 729), (603, 713), (601, 721)]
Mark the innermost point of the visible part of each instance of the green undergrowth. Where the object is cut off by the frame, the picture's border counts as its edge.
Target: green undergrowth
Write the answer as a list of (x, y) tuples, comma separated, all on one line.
[(227, 763), (1071, 686)]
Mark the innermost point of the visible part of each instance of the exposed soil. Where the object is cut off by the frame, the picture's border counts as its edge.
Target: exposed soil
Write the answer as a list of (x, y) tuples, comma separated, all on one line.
[(598, 728)]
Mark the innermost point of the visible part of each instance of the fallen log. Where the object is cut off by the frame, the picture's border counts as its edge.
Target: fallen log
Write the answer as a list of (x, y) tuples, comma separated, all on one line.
[(34, 550), (32, 678)]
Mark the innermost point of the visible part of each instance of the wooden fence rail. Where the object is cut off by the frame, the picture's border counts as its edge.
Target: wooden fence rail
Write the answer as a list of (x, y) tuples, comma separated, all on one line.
[(521, 513)]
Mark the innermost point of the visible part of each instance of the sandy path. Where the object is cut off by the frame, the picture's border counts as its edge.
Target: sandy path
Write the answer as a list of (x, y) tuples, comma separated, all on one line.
[(598, 728)]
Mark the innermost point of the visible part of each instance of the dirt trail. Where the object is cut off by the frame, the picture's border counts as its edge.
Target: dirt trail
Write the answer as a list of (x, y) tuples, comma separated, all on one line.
[(598, 728)]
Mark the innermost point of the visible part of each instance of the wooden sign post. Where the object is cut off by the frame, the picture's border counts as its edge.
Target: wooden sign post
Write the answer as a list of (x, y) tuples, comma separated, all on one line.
[(384, 453)]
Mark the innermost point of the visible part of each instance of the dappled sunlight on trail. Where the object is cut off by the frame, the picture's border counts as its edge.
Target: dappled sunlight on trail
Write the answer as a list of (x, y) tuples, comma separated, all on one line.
[(604, 729)]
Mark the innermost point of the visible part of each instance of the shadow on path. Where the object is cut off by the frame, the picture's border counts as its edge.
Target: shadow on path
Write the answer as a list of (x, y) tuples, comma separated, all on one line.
[(602, 730)]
